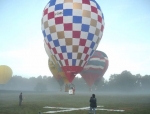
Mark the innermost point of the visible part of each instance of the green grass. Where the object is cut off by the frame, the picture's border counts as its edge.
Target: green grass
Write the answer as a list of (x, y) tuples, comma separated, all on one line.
[(34, 102)]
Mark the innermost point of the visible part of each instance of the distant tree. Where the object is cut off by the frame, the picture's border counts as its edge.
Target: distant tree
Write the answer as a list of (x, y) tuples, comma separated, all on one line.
[(16, 82), (39, 78), (40, 87), (100, 84), (33, 82), (127, 81), (145, 83), (112, 83), (80, 84), (123, 82), (138, 83), (52, 83)]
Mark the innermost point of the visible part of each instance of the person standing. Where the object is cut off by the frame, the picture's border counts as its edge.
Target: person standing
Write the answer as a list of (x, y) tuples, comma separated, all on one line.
[(93, 104), (20, 99)]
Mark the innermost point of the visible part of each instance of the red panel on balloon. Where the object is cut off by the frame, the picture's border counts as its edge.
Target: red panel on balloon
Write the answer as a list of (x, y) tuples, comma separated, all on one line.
[(68, 26), (90, 79), (51, 15), (58, 20), (71, 71), (45, 11)]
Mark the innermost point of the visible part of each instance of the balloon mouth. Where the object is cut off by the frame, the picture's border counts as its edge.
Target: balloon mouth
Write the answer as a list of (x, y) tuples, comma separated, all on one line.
[(90, 78), (71, 71)]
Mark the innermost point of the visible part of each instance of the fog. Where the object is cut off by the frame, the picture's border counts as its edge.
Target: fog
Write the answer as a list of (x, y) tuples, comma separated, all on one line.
[(124, 83)]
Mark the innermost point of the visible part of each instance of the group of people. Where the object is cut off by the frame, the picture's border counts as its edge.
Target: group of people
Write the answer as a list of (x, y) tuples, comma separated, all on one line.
[(93, 103)]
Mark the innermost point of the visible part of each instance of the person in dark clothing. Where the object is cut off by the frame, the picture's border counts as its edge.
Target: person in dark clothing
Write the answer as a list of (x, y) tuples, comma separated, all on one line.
[(20, 99), (93, 104)]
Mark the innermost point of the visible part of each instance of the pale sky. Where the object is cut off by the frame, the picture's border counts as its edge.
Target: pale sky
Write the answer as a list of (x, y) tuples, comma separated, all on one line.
[(126, 38)]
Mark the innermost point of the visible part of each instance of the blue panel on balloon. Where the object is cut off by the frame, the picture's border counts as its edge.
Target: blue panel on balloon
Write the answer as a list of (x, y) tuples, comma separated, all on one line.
[(69, 55), (85, 27), (102, 15), (63, 49), (90, 36), (74, 62), (98, 7), (92, 53), (44, 34), (67, 12), (49, 37), (58, 7), (77, 19), (56, 43), (92, 45), (96, 62), (52, 2)]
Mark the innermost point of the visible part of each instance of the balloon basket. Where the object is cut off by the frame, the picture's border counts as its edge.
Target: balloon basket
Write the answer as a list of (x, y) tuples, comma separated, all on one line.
[(71, 92)]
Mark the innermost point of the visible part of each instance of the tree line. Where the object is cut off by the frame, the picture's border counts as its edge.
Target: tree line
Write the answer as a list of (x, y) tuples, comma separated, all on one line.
[(124, 82)]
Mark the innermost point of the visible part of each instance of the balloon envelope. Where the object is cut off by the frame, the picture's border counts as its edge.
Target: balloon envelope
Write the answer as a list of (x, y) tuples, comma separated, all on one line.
[(58, 74), (72, 29), (95, 68), (5, 74), (55, 73)]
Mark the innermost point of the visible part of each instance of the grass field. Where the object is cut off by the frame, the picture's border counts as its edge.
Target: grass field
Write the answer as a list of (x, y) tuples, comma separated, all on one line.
[(34, 102)]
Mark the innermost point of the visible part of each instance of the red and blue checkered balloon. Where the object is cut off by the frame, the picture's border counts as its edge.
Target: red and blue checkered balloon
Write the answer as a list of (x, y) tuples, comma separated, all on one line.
[(72, 29)]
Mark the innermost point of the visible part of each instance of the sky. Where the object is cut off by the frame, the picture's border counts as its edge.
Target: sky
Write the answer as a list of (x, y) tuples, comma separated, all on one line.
[(126, 37)]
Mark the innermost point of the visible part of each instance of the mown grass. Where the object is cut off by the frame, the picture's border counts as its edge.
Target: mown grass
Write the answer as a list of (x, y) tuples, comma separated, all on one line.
[(34, 102)]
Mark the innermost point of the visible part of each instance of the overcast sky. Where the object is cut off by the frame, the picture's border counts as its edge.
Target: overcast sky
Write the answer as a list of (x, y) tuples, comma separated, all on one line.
[(126, 38)]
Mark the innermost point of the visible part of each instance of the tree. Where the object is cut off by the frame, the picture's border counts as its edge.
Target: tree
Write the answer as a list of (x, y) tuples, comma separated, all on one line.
[(123, 82), (100, 84), (145, 83), (40, 87)]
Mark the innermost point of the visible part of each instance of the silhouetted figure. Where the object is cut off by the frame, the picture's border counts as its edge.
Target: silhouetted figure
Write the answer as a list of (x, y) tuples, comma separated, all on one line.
[(73, 88), (93, 104), (20, 99)]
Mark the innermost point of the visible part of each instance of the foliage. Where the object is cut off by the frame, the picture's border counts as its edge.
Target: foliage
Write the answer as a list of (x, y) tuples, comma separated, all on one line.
[(124, 82)]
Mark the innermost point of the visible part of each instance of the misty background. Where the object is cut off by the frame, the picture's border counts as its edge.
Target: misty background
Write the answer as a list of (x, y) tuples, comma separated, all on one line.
[(125, 82)]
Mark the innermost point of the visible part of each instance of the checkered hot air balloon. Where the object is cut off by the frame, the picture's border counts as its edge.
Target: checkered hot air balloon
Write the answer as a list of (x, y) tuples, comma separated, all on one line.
[(72, 29), (55, 69), (95, 68)]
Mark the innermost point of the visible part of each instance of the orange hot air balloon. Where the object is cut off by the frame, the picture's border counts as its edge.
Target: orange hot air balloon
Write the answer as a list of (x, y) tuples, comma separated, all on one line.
[(5, 74), (55, 73), (95, 68), (72, 29)]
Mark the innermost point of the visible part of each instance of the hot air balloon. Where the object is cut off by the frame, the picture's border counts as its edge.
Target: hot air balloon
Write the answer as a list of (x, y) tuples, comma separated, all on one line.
[(58, 74), (104, 70), (5, 74), (95, 68), (54, 67), (72, 29), (55, 73)]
